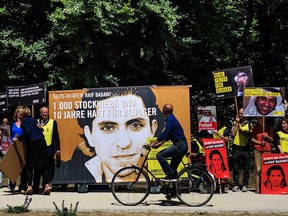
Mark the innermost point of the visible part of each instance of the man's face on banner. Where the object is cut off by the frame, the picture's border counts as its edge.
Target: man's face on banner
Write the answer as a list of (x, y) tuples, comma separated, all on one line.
[(120, 130), (275, 178), (265, 104)]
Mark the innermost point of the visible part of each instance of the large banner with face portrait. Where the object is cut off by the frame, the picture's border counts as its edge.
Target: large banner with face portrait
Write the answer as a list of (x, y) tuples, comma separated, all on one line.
[(103, 129), (231, 82), (265, 101), (274, 177), (216, 157)]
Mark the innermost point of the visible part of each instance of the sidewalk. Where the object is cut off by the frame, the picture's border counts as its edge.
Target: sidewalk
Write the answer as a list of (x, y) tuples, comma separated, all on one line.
[(234, 202)]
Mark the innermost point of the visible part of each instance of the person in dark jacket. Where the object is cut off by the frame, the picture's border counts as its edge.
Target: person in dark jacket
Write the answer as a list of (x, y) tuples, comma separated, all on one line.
[(36, 154)]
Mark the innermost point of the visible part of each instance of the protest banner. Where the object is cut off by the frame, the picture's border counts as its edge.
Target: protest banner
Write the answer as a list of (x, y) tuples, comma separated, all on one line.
[(231, 82), (103, 129), (207, 118), (216, 157), (13, 161), (264, 102), (26, 95), (274, 176), (3, 102)]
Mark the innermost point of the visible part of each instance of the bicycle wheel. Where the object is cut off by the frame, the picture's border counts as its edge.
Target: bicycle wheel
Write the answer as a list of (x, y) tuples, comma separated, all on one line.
[(130, 186), (195, 187)]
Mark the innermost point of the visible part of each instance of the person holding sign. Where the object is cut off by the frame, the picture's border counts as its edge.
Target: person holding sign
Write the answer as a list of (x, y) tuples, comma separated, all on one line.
[(276, 181), (16, 131), (50, 130), (3, 135), (262, 135), (240, 151), (282, 137)]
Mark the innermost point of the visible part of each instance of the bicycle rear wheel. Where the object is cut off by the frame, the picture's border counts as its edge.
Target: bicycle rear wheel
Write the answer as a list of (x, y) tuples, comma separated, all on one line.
[(130, 186), (195, 187)]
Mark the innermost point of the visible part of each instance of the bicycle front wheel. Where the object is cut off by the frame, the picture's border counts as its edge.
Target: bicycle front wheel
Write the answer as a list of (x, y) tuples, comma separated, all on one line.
[(195, 187), (130, 186)]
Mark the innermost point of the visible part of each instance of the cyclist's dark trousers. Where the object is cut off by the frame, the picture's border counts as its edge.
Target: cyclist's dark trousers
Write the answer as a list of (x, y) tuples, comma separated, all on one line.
[(176, 152)]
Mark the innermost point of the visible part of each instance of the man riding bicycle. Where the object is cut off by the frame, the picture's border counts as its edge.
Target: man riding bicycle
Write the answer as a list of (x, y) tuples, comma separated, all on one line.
[(173, 131)]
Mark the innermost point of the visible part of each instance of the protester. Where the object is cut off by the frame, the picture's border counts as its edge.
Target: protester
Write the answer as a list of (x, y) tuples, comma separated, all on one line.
[(36, 155), (3, 133), (3, 123), (16, 131), (241, 151), (262, 136), (51, 135), (196, 155), (282, 137)]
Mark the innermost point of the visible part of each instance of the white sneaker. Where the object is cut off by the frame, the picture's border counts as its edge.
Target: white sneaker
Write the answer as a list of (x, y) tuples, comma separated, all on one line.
[(235, 188), (244, 189)]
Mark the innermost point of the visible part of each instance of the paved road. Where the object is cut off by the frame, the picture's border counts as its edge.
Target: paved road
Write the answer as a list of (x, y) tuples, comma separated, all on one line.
[(104, 201)]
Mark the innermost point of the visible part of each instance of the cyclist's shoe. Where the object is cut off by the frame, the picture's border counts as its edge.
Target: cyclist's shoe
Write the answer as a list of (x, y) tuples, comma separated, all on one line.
[(171, 195), (202, 189), (170, 178)]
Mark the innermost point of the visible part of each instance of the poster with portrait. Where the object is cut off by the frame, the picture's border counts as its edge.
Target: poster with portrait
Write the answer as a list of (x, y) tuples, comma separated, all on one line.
[(207, 119), (274, 176), (103, 129), (264, 101), (231, 82), (216, 157)]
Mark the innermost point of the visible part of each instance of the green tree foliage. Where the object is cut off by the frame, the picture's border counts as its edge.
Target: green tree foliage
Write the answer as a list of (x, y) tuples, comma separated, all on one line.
[(71, 44), (23, 43), (111, 43)]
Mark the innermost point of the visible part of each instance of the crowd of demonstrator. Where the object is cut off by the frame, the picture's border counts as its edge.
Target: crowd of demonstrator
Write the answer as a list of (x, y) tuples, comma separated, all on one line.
[(246, 138), (41, 140)]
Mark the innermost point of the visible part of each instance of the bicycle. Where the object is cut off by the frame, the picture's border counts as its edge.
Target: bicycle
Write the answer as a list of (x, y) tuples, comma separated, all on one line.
[(194, 186)]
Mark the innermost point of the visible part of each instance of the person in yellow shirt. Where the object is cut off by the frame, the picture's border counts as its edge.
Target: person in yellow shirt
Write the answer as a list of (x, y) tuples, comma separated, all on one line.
[(282, 137), (240, 151)]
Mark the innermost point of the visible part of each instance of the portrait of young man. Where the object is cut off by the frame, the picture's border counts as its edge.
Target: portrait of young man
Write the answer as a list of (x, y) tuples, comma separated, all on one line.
[(259, 102), (122, 123)]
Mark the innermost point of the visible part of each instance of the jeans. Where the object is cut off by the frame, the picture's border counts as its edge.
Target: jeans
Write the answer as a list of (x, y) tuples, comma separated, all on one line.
[(176, 152)]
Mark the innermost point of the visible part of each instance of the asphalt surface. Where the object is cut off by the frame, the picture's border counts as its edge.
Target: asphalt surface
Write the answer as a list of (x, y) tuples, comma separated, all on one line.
[(233, 202)]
